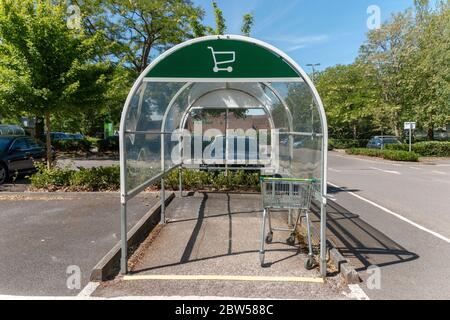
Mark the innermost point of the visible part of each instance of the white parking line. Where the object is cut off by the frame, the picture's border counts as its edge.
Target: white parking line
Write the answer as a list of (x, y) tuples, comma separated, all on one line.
[(418, 226), (356, 292), (88, 290), (334, 170), (440, 172), (386, 171)]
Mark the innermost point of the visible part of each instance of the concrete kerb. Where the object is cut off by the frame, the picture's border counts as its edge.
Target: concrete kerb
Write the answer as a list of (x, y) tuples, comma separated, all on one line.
[(109, 265), (345, 269)]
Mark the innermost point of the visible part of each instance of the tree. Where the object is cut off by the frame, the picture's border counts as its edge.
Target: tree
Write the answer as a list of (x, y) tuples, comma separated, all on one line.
[(247, 24), (137, 30), (45, 67), (350, 99), (220, 20), (429, 67), (388, 50)]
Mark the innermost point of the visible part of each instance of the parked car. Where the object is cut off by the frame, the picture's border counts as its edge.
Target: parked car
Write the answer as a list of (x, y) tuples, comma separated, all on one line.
[(55, 136), (11, 130), (18, 155), (379, 142), (75, 136)]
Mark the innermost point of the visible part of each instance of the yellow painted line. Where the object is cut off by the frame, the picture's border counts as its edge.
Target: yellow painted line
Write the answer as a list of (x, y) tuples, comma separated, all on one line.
[(222, 278)]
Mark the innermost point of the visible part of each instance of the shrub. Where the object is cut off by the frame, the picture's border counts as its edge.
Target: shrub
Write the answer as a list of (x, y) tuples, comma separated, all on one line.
[(347, 143), (50, 178), (108, 179), (203, 180), (425, 149), (95, 179), (432, 149), (72, 145), (110, 144), (395, 155)]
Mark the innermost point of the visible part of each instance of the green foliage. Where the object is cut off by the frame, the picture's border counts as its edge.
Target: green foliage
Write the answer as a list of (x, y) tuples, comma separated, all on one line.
[(347, 143), (52, 178), (45, 67), (95, 179), (108, 145), (72, 145), (426, 148), (247, 24), (220, 20), (108, 179), (205, 180), (401, 74), (349, 96), (394, 155)]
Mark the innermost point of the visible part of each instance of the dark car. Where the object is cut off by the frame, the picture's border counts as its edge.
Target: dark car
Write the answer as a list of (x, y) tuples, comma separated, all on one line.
[(379, 142), (75, 136), (55, 136), (18, 155)]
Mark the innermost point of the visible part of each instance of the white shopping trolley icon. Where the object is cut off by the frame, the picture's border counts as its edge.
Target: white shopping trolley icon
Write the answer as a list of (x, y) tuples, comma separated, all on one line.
[(222, 54)]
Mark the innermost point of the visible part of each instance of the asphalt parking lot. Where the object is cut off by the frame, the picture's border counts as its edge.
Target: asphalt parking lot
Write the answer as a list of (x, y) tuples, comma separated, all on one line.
[(43, 234), (211, 238)]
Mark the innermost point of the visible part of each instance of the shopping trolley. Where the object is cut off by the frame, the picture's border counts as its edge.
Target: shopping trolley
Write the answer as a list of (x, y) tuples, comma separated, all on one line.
[(285, 193), (217, 54)]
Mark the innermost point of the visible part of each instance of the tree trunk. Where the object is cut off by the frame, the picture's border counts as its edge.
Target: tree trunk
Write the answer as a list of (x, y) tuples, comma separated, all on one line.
[(431, 134), (39, 127), (48, 140)]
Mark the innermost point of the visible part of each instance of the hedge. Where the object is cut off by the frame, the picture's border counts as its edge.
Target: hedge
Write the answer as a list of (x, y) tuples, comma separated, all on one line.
[(395, 155), (72, 145), (94, 179), (108, 145), (108, 179), (426, 149), (346, 143)]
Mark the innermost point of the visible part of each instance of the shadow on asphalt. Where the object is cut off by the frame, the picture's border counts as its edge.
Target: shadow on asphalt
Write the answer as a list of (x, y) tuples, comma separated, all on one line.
[(333, 190), (19, 185), (358, 241), (186, 256)]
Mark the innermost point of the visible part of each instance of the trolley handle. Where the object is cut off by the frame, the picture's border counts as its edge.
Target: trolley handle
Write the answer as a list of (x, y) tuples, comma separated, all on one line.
[(269, 179)]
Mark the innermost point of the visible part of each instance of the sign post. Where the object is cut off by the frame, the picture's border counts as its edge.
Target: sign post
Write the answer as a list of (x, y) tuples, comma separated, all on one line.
[(410, 126)]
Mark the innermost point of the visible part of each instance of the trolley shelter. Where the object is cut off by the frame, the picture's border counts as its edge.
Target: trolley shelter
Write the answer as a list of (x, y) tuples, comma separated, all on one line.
[(224, 103)]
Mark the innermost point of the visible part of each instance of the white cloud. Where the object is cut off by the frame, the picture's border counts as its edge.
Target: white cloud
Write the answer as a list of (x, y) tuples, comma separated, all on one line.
[(294, 43), (269, 21)]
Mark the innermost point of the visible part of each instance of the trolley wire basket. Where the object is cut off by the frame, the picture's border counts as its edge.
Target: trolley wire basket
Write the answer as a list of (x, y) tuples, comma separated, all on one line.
[(286, 193), (281, 193)]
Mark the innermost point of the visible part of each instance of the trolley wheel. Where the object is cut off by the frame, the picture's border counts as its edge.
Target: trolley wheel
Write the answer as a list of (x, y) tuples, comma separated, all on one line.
[(310, 263), (269, 238), (291, 240)]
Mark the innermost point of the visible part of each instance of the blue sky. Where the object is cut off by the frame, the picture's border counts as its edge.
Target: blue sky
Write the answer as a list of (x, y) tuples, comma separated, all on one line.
[(329, 32)]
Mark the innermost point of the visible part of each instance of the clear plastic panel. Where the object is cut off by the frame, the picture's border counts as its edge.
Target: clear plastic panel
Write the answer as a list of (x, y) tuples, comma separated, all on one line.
[(287, 111), (143, 158)]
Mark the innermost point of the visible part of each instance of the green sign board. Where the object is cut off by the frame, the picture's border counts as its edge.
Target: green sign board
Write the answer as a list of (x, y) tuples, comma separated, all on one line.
[(108, 129), (223, 59)]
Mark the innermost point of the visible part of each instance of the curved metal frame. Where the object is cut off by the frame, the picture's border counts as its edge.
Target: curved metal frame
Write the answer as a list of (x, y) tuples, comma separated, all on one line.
[(323, 120)]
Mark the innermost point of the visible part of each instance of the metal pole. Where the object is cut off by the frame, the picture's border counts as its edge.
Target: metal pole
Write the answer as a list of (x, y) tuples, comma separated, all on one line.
[(226, 143), (410, 137), (163, 201), (181, 181), (323, 239), (123, 235), (323, 206)]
